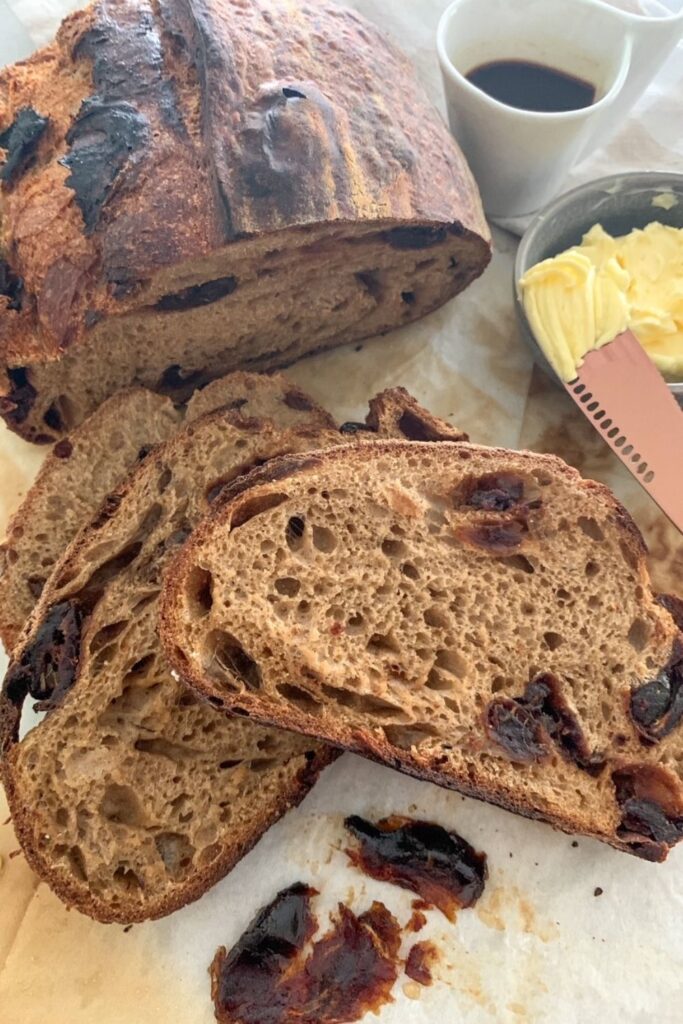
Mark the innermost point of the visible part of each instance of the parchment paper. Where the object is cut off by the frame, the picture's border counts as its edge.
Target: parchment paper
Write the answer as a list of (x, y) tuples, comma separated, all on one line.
[(540, 946)]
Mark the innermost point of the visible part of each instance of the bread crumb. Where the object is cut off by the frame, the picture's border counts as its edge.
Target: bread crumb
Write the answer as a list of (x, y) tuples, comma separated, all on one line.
[(412, 990), (574, 843), (598, 891)]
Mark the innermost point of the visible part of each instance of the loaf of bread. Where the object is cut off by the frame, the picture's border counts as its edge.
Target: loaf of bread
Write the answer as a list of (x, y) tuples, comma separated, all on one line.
[(85, 466), (131, 798), (194, 186), (476, 617)]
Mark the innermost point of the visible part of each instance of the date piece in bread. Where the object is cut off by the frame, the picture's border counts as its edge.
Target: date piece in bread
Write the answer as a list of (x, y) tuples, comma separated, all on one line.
[(263, 181), (477, 617), (131, 797)]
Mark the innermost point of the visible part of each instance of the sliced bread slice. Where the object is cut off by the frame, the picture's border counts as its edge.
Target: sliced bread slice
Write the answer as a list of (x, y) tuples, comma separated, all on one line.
[(477, 617), (70, 485), (83, 468), (131, 798)]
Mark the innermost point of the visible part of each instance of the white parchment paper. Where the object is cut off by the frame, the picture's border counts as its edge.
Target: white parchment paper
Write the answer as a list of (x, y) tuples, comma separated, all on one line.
[(540, 946)]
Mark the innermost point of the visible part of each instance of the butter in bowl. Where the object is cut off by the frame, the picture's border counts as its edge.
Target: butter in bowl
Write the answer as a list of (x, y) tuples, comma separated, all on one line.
[(599, 290), (606, 258)]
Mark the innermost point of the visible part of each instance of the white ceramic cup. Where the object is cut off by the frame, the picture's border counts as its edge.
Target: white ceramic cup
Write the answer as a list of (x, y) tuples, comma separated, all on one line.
[(520, 158)]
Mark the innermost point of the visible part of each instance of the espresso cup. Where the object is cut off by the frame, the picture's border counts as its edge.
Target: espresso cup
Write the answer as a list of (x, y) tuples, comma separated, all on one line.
[(520, 158)]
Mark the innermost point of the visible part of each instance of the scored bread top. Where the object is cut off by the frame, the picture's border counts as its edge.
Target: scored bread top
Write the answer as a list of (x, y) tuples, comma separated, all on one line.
[(233, 120), (131, 798), (476, 617)]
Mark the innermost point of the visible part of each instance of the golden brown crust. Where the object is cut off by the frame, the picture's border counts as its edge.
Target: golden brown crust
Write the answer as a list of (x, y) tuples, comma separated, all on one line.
[(233, 121)]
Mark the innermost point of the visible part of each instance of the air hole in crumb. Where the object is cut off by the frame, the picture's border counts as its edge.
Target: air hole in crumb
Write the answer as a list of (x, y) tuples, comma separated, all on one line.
[(381, 644), (451, 661), (288, 586), (164, 480), (410, 570), (127, 880), (394, 548), (366, 703), (592, 569), (639, 634), (435, 681), (77, 863), (553, 640), (294, 534), (323, 539), (255, 506), (520, 562), (104, 636), (436, 617), (299, 697), (121, 806), (355, 623), (591, 528), (224, 656), (407, 736), (408, 298), (263, 764), (176, 852), (199, 591)]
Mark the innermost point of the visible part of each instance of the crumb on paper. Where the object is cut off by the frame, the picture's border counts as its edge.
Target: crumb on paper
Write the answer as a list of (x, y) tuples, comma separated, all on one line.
[(412, 990), (598, 891)]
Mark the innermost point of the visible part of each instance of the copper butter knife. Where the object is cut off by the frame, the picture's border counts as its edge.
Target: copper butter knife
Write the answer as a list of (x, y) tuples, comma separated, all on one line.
[(622, 393)]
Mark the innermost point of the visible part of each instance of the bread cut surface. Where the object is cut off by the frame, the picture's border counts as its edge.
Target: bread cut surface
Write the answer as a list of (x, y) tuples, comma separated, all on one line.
[(76, 475), (476, 617), (131, 797), (236, 200), (87, 465)]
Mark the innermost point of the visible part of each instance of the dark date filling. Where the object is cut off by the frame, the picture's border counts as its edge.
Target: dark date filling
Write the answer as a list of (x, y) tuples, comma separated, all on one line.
[(493, 492), (440, 866), (501, 493), (197, 295), (500, 538), (17, 405), (20, 141), (651, 809), (11, 286), (349, 972), (47, 669), (351, 428), (528, 727), (657, 706), (414, 237), (420, 961), (102, 140)]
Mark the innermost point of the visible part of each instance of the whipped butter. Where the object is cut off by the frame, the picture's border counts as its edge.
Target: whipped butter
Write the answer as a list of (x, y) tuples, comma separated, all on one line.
[(583, 297)]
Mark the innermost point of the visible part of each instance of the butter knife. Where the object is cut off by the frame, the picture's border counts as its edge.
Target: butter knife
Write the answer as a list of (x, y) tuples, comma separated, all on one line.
[(620, 390)]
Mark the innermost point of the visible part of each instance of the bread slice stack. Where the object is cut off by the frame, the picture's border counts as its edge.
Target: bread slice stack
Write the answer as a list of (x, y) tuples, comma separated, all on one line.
[(476, 617), (265, 180), (132, 796)]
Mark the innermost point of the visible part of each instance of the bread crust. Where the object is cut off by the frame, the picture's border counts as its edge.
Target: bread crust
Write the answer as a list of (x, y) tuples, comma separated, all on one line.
[(234, 122)]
